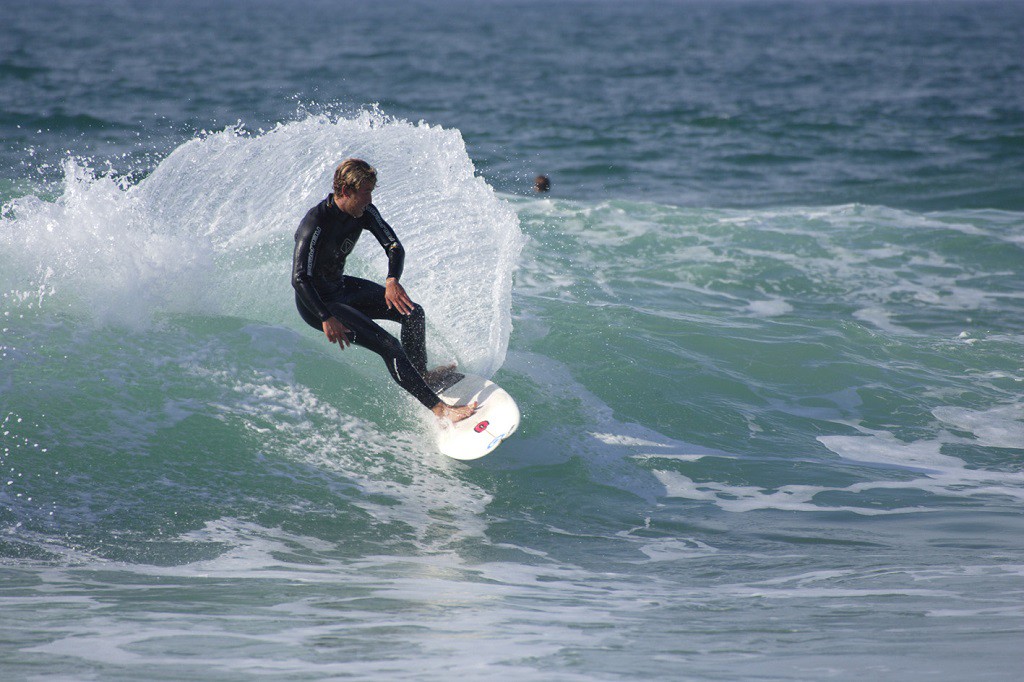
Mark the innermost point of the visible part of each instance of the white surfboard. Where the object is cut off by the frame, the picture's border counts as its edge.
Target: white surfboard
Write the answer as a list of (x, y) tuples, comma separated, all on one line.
[(496, 418)]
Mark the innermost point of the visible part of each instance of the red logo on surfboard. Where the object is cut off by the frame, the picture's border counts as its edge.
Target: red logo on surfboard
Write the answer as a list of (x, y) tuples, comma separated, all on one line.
[(479, 428)]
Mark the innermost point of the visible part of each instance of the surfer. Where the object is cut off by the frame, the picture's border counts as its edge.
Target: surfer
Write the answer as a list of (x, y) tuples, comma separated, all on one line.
[(541, 184), (345, 307)]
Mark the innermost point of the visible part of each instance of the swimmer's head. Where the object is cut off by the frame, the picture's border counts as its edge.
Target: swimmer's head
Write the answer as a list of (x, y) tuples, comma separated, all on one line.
[(353, 174)]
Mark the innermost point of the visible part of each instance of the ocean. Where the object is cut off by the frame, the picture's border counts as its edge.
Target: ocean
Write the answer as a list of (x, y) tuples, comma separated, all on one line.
[(766, 332)]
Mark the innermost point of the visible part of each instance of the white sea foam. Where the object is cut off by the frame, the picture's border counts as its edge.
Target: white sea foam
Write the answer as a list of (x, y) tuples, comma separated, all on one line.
[(1000, 427), (793, 498), (884, 448), (770, 307), (941, 474)]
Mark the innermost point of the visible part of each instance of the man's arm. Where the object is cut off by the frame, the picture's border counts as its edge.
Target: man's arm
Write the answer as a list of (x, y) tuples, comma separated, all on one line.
[(303, 262), (388, 240), (394, 293)]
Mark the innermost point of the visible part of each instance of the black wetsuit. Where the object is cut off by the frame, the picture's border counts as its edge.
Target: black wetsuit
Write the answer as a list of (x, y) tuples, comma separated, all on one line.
[(323, 241)]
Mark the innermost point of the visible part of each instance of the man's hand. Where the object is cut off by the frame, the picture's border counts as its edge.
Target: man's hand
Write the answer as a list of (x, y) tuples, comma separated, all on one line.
[(337, 332), (395, 296)]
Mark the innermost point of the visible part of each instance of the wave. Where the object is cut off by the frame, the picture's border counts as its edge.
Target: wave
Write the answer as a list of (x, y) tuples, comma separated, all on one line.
[(155, 380), (149, 343), (209, 231)]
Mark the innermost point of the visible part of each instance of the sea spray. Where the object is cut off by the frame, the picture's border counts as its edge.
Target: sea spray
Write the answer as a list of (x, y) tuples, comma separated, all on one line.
[(209, 231)]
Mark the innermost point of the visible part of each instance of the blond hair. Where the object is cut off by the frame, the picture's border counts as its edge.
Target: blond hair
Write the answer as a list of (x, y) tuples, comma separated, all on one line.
[(353, 174)]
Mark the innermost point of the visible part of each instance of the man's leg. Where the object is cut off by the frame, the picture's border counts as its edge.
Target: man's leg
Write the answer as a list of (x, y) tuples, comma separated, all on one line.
[(370, 335), (368, 298)]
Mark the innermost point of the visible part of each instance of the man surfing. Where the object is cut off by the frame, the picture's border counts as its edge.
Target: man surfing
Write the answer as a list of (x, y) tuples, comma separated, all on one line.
[(345, 307)]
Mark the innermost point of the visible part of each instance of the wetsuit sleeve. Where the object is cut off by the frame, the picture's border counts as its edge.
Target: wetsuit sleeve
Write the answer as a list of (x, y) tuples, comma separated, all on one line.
[(387, 238), (303, 263)]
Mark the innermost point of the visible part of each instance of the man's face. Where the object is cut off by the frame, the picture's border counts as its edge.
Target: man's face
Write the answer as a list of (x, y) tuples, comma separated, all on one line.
[(355, 201)]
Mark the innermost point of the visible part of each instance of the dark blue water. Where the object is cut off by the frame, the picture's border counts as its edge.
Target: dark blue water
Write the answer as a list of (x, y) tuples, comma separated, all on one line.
[(904, 104)]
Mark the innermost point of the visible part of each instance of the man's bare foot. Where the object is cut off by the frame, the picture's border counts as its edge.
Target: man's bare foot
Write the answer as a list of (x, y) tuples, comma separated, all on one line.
[(453, 414)]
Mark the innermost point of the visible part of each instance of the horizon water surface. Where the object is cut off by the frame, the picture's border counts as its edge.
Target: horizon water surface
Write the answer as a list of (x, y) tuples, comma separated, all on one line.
[(765, 333)]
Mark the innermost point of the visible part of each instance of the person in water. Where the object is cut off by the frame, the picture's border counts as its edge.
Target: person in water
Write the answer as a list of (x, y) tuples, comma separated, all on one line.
[(345, 307)]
